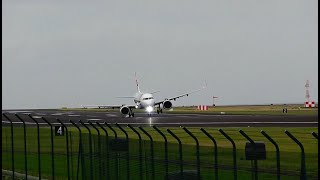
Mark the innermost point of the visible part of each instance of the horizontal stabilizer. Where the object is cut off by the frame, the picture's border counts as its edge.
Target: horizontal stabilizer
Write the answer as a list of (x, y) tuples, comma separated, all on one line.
[(154, 92)]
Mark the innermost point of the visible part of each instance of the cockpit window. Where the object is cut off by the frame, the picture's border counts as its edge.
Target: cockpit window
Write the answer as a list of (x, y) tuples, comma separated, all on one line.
[(147, 98)]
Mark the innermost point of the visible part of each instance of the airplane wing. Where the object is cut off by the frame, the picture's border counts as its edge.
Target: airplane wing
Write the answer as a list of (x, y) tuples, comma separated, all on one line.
[(105, 106), (182, 95)]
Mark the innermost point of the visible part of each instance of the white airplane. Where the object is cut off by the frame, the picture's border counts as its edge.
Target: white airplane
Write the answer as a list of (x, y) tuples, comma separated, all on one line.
[(145, 101)]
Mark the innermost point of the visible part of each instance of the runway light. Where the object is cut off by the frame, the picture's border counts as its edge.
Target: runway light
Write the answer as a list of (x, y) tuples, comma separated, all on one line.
[(150, 121), (149, 109)]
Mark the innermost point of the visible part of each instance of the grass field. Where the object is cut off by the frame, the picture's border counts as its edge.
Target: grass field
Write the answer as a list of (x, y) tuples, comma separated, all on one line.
[(290, 152)]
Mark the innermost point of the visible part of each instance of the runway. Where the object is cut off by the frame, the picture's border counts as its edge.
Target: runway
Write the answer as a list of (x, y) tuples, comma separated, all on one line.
[(163, 120)]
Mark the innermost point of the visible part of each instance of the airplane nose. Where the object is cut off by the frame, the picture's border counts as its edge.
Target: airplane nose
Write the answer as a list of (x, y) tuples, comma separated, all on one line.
[(149, 102)]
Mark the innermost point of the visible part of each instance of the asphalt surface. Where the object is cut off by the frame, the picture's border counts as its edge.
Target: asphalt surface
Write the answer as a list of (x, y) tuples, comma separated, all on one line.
[(162, 120)]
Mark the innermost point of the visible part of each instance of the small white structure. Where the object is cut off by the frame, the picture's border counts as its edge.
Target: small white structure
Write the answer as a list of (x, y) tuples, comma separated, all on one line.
[(309, 104), (202, 108)]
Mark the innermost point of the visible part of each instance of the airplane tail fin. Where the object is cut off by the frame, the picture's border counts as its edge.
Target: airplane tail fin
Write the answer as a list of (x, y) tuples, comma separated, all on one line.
[(205, 85), (137, 83)]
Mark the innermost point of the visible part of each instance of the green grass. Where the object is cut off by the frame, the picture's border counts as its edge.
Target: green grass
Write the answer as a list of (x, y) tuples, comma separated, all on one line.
[(251, 109), (290, 152)]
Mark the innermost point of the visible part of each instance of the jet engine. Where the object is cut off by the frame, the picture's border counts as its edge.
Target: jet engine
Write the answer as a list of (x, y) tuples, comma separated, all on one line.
[(167, 104), (124, 110)]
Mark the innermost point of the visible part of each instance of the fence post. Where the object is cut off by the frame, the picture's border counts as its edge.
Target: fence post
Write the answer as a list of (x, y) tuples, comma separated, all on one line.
[(315, 135), (117, 158), (165, 148), (52, 150), (215, 152), (12, 145), (198, 151), (255, 161), (99, 148), (151, 148), (71, 157), (140, 150), (127, 139), (303, 161), (180, 151), (67, 147), (25, 145), (107, 144), (90, 148), (79, 152), (277, 152), (110, 127), (234, 152), (38, 138)]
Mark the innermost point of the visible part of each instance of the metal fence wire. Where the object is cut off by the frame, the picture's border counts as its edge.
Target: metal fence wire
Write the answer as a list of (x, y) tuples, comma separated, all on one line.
[(50, 149)]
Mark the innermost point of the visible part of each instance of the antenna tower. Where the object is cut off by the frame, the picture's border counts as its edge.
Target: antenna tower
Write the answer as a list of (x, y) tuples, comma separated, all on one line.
[(213, 100), (307, 90)]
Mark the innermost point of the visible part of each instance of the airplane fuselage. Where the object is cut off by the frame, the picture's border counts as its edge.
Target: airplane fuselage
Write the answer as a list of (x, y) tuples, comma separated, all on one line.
[(144, 101)]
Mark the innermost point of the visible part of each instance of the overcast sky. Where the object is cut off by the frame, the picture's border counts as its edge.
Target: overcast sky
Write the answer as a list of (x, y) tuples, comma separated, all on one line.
[(69, 53)]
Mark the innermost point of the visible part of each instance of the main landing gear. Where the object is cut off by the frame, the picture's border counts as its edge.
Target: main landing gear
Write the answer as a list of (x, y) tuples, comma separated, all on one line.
[(159, 110), (131, 113)]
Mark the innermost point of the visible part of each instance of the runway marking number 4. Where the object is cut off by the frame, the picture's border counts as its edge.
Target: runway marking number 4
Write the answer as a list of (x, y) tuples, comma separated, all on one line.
[(59, 130)]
